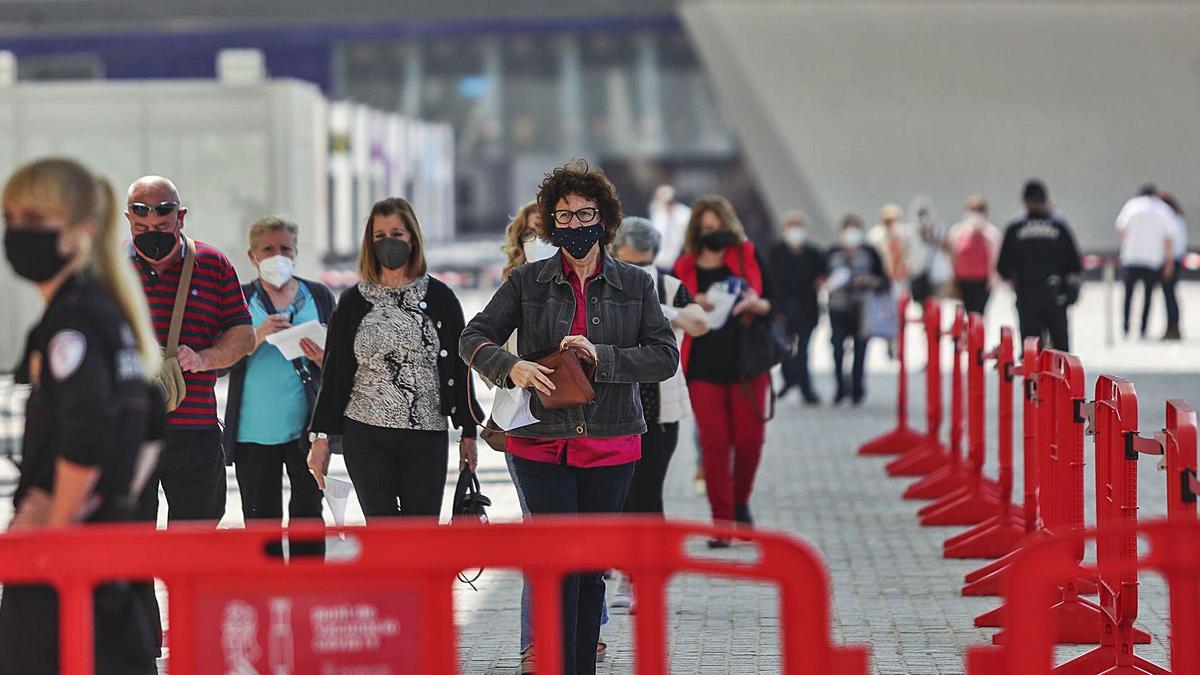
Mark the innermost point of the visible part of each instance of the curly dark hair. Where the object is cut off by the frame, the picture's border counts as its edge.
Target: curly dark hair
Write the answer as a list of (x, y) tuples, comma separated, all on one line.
[(577, 178)]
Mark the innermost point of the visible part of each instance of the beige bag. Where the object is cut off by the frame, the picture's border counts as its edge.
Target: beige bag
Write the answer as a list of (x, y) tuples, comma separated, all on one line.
[(170, 375)]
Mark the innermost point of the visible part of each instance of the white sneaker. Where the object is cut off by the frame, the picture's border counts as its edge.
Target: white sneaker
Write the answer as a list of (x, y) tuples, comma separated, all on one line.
[(621, 600)]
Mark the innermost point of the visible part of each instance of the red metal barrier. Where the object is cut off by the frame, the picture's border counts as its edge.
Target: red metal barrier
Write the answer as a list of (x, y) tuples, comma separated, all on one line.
[(1173, 550), (903, 438), (1003, 530), (954, 474), (986, 580), (978, 499), (412, 567), (930, 454)]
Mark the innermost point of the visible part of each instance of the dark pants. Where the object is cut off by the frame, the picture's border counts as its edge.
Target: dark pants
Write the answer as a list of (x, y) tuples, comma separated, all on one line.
[(1169, 286), (191, 470), (556, 489), (1148, 277), (795, 368), (259, 470), (1039, 314), (396, 472), (646, 488), (844, 325), (126, 620), (974, 295)]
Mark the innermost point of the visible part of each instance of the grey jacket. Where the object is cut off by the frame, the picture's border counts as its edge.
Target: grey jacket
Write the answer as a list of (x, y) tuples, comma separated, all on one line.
[(633, 340)]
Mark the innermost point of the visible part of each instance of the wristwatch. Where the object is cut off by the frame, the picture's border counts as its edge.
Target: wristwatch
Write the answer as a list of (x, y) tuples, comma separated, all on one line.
[(314, 436)]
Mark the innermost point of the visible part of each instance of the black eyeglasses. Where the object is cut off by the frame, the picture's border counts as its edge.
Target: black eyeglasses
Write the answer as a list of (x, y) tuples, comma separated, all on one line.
[(585, 215), (142, 210)]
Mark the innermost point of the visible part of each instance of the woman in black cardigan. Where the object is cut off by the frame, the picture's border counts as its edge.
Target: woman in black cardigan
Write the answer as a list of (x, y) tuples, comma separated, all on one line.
[(392, 375)]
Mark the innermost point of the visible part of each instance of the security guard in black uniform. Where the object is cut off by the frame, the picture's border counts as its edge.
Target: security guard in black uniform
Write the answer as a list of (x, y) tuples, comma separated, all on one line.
[(91, 408), (1040, 260)]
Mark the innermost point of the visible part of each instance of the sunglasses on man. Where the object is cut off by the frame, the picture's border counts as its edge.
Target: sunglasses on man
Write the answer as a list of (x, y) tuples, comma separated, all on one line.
[(142, 210)]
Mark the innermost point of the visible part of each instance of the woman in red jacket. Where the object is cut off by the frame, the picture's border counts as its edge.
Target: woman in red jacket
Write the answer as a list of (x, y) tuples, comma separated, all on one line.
[(730, 408)]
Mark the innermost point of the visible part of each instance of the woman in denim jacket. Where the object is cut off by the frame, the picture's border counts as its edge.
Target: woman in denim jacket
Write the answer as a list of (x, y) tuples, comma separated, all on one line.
[(579, 459)]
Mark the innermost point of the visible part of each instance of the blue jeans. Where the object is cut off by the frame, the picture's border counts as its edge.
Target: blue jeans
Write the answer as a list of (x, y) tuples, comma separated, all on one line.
[(526, 616), (557, 489)]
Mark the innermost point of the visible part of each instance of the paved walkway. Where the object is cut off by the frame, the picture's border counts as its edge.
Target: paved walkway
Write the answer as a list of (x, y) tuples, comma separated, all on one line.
[(891, 588)]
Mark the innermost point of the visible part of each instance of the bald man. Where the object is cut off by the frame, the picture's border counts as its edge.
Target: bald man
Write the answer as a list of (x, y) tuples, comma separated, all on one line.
[(216, 333)]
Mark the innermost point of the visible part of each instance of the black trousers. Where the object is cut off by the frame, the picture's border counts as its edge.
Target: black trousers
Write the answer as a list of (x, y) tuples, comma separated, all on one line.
[(1172, 299), (974, 295), (555, 489), (125, 622), (191, 470), (259, 470), (396, 472), (1039, 314), (646, 488), (845, 326), (795, 368), (1148, 277)]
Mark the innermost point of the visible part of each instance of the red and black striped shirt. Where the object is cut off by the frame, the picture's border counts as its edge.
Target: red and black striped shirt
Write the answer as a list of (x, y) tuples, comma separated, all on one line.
[(215, 304)]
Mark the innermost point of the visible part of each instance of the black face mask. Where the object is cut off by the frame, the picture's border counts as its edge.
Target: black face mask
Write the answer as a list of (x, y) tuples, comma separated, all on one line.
[(578, 241), (392, 253), (156, 245), (33, 254), (718, 240)]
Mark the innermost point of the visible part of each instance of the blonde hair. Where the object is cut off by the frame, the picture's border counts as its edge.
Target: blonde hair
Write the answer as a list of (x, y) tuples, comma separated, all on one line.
[(368, 264), (724, 212), (514, 246), (84, 197), (273, 224)]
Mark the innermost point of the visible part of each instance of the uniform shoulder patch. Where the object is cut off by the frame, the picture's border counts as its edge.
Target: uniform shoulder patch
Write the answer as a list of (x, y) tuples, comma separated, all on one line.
[(66, 351)]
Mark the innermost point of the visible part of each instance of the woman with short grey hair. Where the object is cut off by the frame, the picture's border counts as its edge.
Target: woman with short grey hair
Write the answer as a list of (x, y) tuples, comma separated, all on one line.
[(663, 404)]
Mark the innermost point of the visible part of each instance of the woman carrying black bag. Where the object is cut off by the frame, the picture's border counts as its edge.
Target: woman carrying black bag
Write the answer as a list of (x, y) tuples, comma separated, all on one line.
[(270, 397), (728, 370)]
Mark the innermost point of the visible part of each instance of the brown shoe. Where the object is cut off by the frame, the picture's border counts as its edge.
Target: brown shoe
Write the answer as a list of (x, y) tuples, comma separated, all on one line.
[(526, 662), (601, 651)]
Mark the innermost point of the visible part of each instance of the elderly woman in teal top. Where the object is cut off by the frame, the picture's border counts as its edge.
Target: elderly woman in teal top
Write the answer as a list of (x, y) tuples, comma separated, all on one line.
[(270, 397)]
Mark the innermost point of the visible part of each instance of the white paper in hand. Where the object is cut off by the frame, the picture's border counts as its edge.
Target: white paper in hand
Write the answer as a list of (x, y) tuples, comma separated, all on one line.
[(337, 494), (669, 312), (288, 341), (838, 278), (722, 301), (510, 409)]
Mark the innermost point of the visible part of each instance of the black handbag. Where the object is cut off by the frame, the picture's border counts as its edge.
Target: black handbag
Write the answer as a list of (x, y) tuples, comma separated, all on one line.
[(763, 342), (471, 504)]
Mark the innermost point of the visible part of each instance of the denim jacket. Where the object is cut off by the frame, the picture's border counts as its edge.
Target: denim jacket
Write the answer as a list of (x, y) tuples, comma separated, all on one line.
[(634, 342)]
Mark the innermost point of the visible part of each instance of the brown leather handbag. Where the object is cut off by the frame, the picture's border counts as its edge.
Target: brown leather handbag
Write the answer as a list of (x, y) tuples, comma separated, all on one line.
[(572, 378)]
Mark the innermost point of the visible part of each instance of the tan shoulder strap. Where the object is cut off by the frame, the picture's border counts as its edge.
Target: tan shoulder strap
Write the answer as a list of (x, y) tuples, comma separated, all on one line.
[(181, 295)]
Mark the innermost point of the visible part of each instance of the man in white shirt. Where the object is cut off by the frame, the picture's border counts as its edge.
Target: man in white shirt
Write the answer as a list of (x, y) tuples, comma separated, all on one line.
[(1146, 226)]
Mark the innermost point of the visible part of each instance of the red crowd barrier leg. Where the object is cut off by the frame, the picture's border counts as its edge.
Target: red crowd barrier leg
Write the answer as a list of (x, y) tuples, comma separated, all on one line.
[(976, 501), (1003, 531), (930, 454), (903, 438)]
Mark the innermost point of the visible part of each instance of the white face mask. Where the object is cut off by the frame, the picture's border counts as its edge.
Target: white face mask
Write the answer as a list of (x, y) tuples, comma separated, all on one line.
[(975, 218), (276, 270), (852, 237), (536, 249), (795, 236)]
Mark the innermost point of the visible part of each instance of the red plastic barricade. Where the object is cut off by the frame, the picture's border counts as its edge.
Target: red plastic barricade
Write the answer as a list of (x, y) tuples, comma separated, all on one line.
[(1178, 441), (903, 438), (978, 499), (954, 474), (1173, 550), (393, 603), (986, 580), (930, 454), (1003, 530), (1060, 390)]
